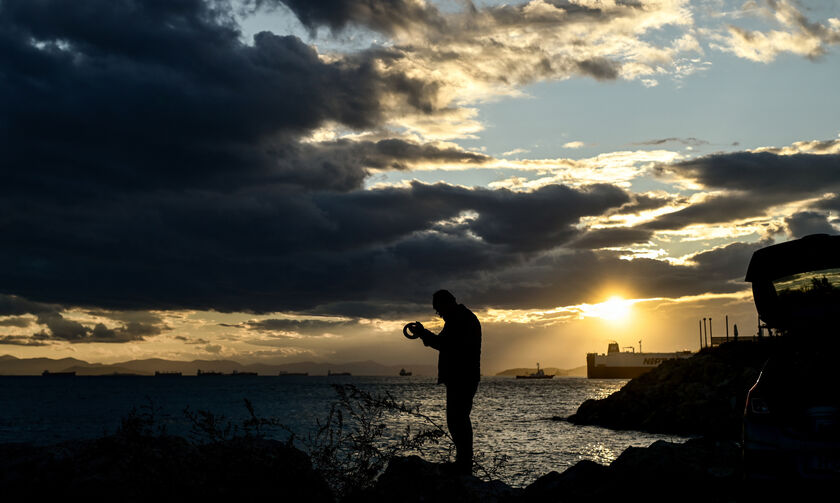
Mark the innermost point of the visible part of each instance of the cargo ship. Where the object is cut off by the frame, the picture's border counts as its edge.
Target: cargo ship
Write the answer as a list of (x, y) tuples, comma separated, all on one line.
[(238, 373), (617, 364), (47, 373)]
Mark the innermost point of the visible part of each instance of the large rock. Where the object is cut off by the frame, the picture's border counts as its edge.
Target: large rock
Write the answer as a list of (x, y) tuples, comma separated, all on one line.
[(698, 470)]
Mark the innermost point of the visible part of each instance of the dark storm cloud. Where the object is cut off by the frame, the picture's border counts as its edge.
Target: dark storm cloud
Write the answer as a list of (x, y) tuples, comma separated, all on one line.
[(62, 329), (134, 326), (13, 305), (599, 68), (831, 204), (728, 262), (102, 95), (16, 321), (753, 182), (809, 222), (151, 159), (716, 209), (343, 165), (272, 248), (763, 172), (386, 16)]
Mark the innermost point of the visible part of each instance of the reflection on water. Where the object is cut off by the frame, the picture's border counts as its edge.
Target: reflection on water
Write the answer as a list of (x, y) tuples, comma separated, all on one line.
[(511, 417)]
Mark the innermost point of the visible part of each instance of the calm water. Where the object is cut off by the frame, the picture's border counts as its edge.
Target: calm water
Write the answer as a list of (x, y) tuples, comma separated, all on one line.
[(510, 416)]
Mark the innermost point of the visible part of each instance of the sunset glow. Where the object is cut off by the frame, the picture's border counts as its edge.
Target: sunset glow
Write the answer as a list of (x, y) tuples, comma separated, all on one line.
[(614, 309)]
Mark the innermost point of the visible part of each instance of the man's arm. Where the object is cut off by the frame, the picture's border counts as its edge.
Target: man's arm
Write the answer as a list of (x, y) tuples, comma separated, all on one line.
[(431, 339)]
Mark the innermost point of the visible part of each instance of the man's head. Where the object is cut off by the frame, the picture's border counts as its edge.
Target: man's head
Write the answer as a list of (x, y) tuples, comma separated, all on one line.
[(443, 302)]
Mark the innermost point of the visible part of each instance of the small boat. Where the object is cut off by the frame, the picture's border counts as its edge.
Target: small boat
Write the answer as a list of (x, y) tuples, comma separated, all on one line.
[(404, 373), (539, 374)]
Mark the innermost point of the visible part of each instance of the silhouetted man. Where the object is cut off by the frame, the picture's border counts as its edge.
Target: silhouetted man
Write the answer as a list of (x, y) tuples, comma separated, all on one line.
[(459, 344)]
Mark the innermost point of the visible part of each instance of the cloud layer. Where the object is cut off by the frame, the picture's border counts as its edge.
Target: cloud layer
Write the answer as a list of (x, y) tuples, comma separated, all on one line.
[(154, 159)]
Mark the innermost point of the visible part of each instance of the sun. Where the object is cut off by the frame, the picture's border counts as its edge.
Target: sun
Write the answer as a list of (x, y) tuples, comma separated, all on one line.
[(613, 309)]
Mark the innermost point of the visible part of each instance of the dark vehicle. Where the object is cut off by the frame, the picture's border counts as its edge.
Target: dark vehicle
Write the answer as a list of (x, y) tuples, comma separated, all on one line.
[(791, 426)]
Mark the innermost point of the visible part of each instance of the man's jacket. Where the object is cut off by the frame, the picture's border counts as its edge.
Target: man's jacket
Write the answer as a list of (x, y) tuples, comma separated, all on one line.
[(459, 344)]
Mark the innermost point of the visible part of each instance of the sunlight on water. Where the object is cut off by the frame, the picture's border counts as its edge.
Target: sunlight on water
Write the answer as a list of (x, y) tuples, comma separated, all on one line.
[(511, 417)]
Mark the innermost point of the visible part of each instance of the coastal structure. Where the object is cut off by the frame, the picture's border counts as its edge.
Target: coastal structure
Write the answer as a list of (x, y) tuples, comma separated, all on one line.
[(617, 364)]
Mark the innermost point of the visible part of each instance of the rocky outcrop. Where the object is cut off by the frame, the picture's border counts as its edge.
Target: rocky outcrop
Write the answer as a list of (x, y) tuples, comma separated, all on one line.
[(701, 395), (698, 470)]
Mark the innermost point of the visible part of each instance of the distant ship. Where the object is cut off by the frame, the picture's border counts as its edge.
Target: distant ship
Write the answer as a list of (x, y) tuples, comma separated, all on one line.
[(237, 373), (331, 373), (47, 373), (167, 374), (617, 364), (539, 374), (285, 374), (209, 373), (404, 373)]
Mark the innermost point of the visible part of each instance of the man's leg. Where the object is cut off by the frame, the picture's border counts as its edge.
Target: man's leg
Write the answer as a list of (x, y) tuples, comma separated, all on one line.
[(459, 398)]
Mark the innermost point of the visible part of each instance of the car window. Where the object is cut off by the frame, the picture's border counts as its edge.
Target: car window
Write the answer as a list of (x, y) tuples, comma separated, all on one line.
[(826, 281)]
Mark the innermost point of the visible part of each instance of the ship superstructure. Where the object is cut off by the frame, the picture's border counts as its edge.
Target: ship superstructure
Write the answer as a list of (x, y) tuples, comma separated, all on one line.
[(618, 364)]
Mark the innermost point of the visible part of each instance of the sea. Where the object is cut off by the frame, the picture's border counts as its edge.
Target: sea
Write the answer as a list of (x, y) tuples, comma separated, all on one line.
[(520, 420)]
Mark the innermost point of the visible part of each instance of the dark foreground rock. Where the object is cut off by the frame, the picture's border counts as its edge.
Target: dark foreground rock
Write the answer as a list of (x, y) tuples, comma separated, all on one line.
[(701, 395), (160, 468), (173, 469), (699, 470), (414, 480)]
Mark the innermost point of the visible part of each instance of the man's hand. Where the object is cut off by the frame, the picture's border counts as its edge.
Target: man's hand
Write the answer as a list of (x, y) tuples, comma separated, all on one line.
[(414, 330)]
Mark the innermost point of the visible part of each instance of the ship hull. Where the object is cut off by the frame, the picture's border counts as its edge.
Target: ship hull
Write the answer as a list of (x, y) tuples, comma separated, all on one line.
[(626, 365)]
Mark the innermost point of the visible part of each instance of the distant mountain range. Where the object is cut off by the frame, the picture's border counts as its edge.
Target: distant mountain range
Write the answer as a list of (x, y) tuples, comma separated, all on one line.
[(10, 365), (575, 372)]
